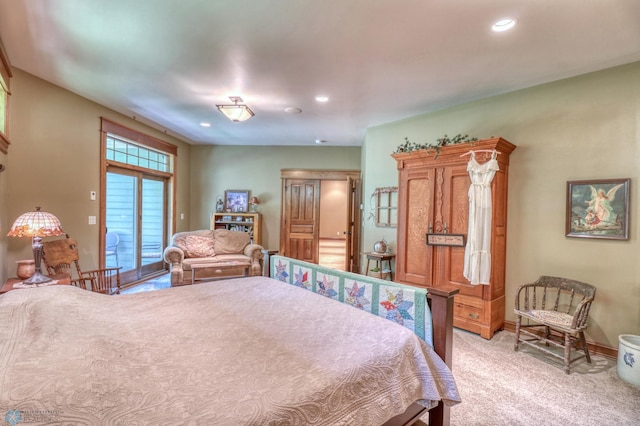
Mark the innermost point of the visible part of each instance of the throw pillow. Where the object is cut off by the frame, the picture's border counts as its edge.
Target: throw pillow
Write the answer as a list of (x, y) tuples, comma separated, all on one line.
[(230, 242), (196, 246)]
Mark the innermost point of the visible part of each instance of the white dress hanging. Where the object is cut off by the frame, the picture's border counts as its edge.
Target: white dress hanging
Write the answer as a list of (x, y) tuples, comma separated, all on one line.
[(477, 253)]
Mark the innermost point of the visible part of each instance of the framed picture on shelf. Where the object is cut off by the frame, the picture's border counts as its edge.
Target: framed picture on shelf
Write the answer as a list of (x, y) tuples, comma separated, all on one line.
[(598, 209), (236, 201)]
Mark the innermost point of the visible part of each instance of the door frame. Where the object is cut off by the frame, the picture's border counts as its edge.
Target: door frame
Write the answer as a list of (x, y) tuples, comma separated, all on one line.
[(141, 271), (122, 132), (353, 208)]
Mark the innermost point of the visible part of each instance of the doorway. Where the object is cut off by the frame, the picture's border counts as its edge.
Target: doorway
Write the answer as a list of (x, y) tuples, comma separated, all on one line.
[(305, 222), (332, 238)]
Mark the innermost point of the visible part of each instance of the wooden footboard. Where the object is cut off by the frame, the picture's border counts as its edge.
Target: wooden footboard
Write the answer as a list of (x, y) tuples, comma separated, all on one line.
[(441, 304)]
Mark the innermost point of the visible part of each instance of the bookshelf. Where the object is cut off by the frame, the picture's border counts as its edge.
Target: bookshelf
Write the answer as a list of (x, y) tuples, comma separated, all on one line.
[(245, 222)]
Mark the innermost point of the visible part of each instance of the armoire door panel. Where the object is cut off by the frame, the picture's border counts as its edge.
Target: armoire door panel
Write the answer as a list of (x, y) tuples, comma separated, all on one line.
[(458, 220), (455, 208), (416, 255), (499, 243)]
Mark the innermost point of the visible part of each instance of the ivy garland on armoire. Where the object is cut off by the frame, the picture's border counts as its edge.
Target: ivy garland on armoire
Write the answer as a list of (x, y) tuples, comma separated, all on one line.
[(409, 146)]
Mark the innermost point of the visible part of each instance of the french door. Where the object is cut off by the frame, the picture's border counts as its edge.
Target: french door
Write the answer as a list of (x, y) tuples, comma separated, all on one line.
[(136, 220)]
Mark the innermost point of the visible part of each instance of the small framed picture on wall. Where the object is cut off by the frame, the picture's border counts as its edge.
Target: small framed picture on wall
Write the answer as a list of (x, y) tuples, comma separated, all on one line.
[(236, 201)]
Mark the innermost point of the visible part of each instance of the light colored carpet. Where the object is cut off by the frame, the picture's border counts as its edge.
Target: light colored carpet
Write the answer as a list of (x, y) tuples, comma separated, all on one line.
[(499, 387)]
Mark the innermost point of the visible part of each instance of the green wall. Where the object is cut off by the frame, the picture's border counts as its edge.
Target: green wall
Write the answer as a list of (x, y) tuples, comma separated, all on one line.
[(586, 127), (54, 162), (215, 169)]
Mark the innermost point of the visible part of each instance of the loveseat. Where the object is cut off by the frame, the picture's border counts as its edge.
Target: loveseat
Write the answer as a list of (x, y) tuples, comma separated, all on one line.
[(215, 247)]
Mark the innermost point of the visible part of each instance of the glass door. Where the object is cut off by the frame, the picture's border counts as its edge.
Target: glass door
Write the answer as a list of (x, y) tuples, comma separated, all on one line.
[(136, 220), (152, 225)]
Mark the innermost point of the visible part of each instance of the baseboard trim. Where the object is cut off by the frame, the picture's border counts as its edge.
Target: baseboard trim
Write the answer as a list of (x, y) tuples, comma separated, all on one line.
[(594, 347)]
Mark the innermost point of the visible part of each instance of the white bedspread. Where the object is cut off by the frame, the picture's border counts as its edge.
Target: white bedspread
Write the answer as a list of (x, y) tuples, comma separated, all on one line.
[(249, 351)]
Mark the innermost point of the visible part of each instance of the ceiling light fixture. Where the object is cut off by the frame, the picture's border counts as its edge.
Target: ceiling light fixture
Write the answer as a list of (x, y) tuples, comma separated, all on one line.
[(322, 98), (203, 124), (236, 112), (503, 24)]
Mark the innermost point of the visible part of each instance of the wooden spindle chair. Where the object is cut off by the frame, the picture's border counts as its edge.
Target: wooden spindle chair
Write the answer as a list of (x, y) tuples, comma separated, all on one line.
[(557, 310)]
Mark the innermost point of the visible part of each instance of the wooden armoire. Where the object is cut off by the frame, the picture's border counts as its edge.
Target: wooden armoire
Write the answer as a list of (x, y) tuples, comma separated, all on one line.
[(433, 198)]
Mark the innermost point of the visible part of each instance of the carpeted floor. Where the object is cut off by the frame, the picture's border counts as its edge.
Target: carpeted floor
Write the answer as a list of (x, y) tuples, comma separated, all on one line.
[(499, 387)]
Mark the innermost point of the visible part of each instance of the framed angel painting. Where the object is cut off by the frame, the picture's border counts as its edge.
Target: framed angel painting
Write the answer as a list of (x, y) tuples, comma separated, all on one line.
[(598, 209)]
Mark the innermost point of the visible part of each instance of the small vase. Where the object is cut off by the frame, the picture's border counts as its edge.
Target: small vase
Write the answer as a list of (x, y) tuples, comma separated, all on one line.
[(26, 268)]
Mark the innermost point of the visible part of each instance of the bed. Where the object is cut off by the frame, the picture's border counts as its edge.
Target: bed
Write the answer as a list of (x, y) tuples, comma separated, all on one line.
[(245, 351)]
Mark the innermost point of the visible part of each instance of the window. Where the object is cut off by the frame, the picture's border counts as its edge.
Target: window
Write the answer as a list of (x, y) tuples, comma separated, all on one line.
[(130, 153), (384, 202)]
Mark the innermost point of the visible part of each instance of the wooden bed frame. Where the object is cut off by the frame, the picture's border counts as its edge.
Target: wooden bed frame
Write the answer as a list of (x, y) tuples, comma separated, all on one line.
[(441, 304)]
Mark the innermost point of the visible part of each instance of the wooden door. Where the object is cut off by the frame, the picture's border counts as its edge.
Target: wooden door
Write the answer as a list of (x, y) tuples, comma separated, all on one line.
[(354, 215), (300, 219), (301, 208)]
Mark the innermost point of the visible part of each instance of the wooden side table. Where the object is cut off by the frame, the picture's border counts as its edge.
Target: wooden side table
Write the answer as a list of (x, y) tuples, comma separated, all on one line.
[(8, 285), (380, 258)]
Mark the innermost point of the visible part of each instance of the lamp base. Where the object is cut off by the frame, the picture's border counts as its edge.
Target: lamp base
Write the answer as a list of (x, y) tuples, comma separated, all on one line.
[(37, 278)]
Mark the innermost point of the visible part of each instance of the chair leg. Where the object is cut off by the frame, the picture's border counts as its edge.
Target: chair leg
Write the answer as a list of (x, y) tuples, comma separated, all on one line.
[(585, 348), (547, 333), (567, 353), (518, 321)]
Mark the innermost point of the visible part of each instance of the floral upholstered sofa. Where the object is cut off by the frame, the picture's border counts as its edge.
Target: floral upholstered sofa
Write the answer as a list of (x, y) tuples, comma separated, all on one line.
[(230, 253)]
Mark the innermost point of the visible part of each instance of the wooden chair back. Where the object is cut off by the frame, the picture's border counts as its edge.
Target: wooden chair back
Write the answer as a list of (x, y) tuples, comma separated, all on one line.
[(61, 257)]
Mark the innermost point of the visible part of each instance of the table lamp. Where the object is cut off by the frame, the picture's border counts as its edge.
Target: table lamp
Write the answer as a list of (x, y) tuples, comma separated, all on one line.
[(36, 225)]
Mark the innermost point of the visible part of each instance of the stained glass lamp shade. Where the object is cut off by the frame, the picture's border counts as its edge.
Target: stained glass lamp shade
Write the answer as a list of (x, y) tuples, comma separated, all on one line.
[(37, 225)]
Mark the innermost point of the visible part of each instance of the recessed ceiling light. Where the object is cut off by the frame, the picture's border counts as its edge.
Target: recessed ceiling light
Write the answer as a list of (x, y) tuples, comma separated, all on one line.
[(293, 110), (319, 141), (203, 124), (503, 24), (321, 98)]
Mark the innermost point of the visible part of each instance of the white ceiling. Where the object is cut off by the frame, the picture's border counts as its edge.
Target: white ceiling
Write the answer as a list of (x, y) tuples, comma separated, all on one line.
[(169, 62)]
